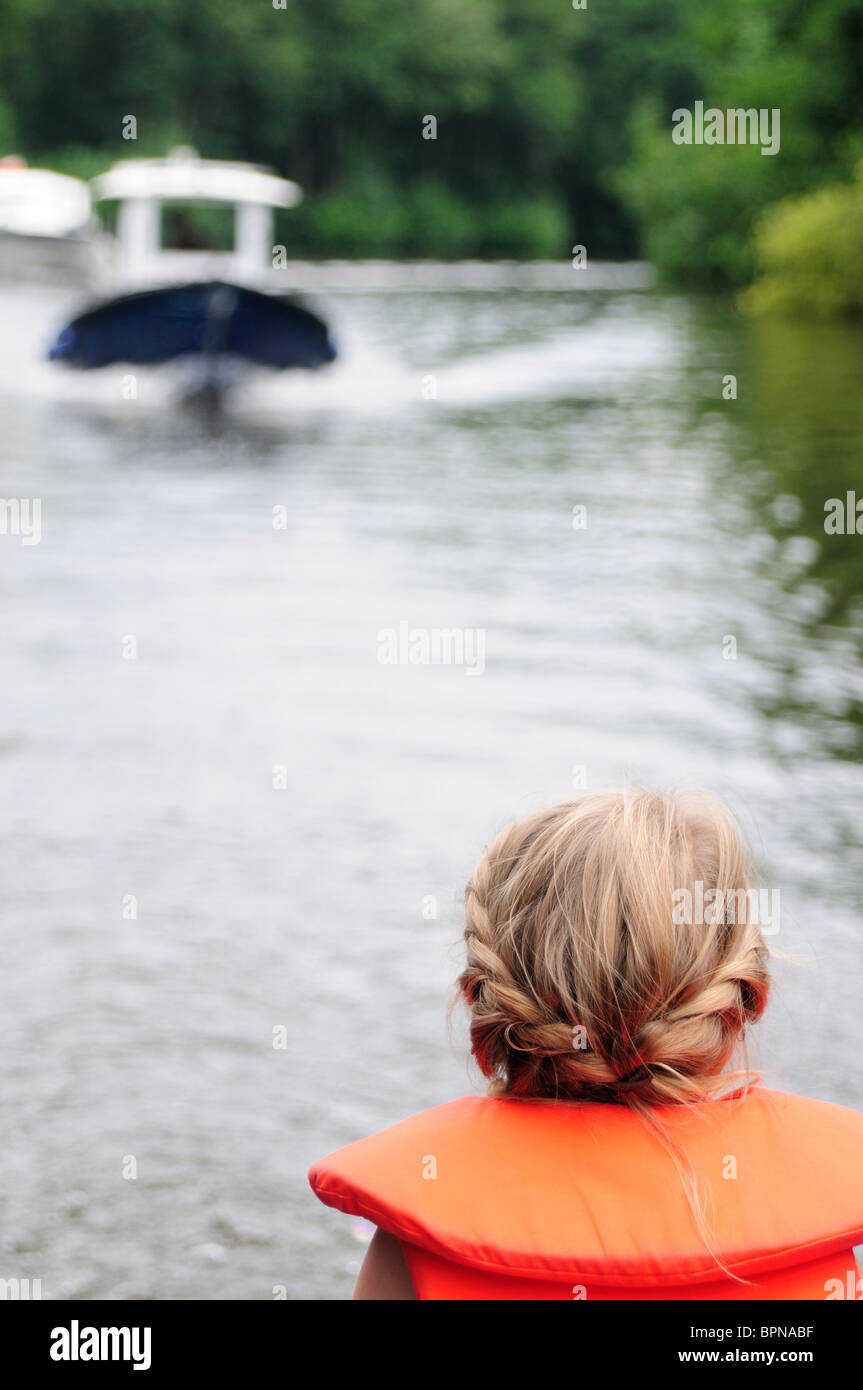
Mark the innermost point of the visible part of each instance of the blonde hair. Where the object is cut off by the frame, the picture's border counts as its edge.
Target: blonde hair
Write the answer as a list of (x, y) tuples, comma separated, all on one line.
[(584, 980)]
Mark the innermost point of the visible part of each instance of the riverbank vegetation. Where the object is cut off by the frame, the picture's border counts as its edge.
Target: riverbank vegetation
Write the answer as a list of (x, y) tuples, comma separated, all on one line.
[(807, 250), (552, 125)]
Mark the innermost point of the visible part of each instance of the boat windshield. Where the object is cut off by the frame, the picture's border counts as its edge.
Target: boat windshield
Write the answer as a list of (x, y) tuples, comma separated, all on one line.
[(196, 227)]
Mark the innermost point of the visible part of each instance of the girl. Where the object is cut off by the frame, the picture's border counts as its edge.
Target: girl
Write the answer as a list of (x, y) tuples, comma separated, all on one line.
[(614, 963)]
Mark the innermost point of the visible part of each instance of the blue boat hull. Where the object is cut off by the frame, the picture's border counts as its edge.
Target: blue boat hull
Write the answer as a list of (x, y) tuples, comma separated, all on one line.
[(209, 320)]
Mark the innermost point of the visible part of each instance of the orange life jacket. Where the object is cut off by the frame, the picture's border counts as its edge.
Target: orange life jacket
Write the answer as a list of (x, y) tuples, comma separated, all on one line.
[(497, 1199)]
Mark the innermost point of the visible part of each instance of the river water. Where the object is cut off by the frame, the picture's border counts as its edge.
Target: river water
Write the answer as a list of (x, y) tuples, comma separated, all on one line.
[(226, 824)]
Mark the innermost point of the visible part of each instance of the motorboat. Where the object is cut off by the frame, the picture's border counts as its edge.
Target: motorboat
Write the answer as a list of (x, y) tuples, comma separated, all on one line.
[(46, 224), (189, 275)]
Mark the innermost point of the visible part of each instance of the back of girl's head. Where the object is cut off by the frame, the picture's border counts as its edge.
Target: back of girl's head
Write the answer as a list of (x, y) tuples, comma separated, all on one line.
[(613, 952)]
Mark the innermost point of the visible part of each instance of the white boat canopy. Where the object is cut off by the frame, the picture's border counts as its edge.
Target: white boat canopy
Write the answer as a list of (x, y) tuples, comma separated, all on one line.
[(184, 177), (142, 187)]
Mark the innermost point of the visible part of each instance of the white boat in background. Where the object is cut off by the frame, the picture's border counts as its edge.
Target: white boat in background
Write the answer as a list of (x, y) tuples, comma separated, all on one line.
[(167, 295), (46, 224)]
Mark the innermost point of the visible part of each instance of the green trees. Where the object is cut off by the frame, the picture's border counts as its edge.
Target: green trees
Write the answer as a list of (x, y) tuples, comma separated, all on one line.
[(697, 206), (808, 250), (553, 124), (330, 92)]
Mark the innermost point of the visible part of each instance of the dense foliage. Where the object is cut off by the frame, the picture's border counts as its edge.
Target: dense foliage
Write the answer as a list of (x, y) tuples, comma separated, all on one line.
[(553, 123), (808, 252)]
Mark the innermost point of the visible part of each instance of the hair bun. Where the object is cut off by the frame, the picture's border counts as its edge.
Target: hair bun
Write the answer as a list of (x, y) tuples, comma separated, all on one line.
[(579, 981)]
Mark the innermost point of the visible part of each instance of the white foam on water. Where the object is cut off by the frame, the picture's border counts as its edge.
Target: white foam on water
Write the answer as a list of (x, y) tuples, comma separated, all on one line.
[(593, 358)]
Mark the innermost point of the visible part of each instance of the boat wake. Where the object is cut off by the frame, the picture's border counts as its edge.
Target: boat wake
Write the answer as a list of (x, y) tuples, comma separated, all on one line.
[(605, 357)]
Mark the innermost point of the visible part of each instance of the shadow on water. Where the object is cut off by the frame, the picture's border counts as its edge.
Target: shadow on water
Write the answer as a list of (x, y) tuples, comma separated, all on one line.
[(199, 431), (791, 441), (806, 418)]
